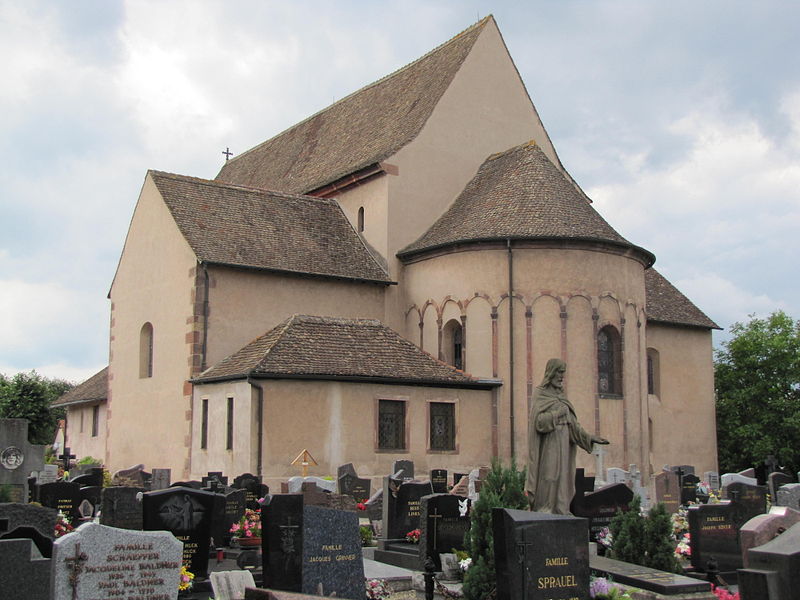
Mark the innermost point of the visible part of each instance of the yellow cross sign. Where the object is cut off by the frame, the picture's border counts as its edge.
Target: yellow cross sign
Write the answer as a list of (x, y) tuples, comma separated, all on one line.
[(304, 460)]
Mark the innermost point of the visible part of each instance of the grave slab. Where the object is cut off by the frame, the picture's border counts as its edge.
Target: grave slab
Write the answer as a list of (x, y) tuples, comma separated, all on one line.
[(789, 495), (24, 570), (660, 582), (762, 528), (778, 561)]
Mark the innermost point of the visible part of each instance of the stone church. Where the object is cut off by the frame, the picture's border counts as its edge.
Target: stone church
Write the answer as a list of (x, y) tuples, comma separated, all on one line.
[(387, 279)]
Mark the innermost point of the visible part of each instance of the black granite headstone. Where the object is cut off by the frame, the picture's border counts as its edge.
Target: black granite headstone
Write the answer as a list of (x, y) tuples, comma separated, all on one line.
[(189, 515), (42, 542), (445, 520), (401, 507), (539, 556), (214, 476), (457, 477), (235, 504), (439, 481), (332, 561), (14, 515), (93, 477), (254, 489), (774, 481), (357, 487), (24, 573), (407, 468), (282, 542), (94, 495), (347, 469), (121, 509), (194, 484), (751, 498), (61, 495), (598, 506), (689, 488)]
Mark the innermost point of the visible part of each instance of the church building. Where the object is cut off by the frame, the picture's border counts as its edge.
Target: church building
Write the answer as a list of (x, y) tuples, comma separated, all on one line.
[(387, 279)]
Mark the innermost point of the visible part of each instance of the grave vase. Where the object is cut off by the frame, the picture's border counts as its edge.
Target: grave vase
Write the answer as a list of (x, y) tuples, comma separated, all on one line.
[(249, 542)]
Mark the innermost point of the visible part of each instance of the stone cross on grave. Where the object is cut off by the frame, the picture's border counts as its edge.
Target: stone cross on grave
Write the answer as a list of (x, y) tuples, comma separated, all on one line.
[(680, 473), (522, 550), (599, 453), (75, 566), (66, 457), (772, 464), (288, 536)]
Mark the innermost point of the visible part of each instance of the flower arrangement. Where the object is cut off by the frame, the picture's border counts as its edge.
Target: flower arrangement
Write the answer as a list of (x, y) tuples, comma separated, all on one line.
[(361, 506), (680, 523), (465, 564), (249, 526), (684, 549), (601, 588), (63, 526), (412, 537), (723, 593), (604, 538), (185, 580), (365, 531), (377, 589)]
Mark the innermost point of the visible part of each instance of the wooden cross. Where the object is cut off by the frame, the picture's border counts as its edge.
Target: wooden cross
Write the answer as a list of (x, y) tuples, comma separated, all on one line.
[(304, 460), (75, 566), (66, 457), (227, 153)]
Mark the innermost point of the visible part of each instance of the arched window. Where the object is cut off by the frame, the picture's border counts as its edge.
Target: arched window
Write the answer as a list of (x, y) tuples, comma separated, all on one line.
[(653, 372), (453, 344), (361, 219), (609, 361), (146, 351)]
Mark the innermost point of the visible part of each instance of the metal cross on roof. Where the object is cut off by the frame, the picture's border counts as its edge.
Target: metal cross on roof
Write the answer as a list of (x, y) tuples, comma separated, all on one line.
[(227, 153)]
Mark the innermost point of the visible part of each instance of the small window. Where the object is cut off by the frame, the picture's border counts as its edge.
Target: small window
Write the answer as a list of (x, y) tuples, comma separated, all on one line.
[(146, 351), (653, 372), (361, 219), (229, 433), (81, 411), (442, 425), (204, 425), (609, 361), (391, 425), (95, 420), (453, 344)]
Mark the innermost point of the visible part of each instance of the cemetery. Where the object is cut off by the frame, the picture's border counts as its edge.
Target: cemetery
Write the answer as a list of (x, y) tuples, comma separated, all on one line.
[(412, 477)]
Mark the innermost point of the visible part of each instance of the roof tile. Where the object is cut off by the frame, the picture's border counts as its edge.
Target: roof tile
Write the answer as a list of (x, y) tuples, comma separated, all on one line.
[(666, 304), (94, 389)]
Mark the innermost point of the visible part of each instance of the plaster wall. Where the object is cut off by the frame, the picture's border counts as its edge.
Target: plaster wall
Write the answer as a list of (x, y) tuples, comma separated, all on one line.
[(373, 197), (149, 418), (267, 299), (683, 414), (79, 431)]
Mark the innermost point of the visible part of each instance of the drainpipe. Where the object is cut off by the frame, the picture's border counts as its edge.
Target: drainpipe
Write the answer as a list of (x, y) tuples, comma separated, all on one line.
[(260, 421), (511, 343), (206, 287)]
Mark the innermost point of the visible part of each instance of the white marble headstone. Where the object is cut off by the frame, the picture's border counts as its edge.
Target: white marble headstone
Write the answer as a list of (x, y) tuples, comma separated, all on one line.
[(230, 585), (616, 475), (729, 478), (296, 484)]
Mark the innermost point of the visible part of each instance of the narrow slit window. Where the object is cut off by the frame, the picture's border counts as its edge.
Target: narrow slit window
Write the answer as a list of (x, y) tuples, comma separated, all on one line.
[(204, 425), (95, 420), (229, 434)]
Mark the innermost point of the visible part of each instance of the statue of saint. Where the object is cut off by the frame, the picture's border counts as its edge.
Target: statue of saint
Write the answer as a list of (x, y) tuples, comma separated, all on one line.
[(554, 435)]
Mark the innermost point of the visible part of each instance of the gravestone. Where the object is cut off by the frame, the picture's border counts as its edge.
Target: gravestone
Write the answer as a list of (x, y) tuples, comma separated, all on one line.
[(121, 508), (404, 469), (313, 496), (96, 561), (134, 476), (357, 487), (48, 474), (789, 495), (212, 477), (282, 542), (402, 506), (347, 469), (64, 496), (186, 513), (89, 477), (682, 470), (14, 515), (539, 556), (762, 528), (599, 453), (665, 585), (161, 479), (752, 498), (18, 458), (461, 487), (230, 585), (235, 505), (254, 489), (773, 569), (667, 487), (599, 506), (94, 496), (332, 561), (375, 507), (712, 479), (193, 483), (729, 478), (457, 477), (296, 484), (774, 481), (24, 570), (689, 488), (445, 520), (616, 475), (439, 481)]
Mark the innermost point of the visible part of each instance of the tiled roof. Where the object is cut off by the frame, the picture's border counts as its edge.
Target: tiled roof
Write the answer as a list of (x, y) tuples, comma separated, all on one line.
[(94, 389), (665, 304), (238, 226), (519, 194), (359, 130), (309, 347)]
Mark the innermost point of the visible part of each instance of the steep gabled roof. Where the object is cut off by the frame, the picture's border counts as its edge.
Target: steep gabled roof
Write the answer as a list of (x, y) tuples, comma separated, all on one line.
[(94, 389), (243, 227), (520, 195), (666, 304), (359, 130), (365, 350)]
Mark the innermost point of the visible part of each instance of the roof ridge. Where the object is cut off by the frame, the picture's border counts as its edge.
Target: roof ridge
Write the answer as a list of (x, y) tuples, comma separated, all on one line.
[(529, 144), (278, 337), (394, 73), (236, 186)]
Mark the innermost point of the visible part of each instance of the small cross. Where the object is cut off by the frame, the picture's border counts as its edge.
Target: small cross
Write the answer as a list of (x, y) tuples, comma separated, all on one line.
[(75, 566), (227, 153), (66, 457), (435, 515)]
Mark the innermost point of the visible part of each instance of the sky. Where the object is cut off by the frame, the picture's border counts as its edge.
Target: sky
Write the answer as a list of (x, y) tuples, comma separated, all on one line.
[(681, 120)]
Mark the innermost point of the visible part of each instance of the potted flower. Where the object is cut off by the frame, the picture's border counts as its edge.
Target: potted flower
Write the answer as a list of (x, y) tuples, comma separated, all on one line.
[(248, 530), (412, 537)]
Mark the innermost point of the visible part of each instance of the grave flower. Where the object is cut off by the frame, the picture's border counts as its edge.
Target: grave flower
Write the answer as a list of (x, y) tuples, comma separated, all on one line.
[(249, 526), (601, 588), (185, 579), (413, 536), (377, 589), (465, 564), (63, 526), (684, 549), (604, 538), (723, 593), (361, 506)]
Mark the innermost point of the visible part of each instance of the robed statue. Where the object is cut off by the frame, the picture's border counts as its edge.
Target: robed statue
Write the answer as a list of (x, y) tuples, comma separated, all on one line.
[(554, 436)]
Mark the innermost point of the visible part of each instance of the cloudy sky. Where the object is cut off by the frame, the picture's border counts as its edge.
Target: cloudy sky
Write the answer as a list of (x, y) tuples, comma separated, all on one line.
[(680, 119)]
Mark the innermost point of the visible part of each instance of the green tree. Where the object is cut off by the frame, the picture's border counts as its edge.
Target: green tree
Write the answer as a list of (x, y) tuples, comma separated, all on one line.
[(503, 488), (659, 545), (758, 393), (628, 532), (28, 396)]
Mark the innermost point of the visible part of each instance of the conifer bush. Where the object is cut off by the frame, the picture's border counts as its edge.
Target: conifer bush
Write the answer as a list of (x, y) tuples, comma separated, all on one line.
[(660, 547), (503, 488), (645, 541), (628, 531)]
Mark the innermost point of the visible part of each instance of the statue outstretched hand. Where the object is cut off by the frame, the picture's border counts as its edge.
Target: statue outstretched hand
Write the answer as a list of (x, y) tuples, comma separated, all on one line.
[(599, 440)]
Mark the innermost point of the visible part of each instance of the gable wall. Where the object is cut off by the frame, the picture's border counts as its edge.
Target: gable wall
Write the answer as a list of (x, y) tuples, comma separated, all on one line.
[(373, 196), (79, 431), (154, 283)]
